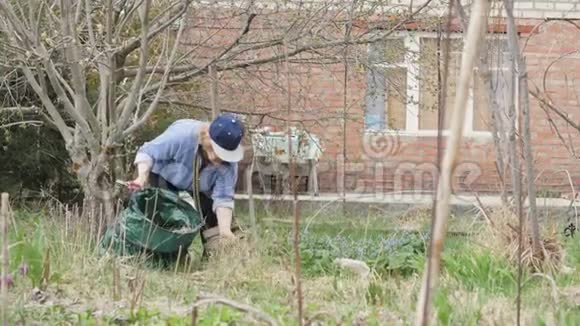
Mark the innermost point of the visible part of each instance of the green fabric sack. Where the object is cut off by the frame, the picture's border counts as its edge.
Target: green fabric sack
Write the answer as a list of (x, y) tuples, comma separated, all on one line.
[(156, 221)]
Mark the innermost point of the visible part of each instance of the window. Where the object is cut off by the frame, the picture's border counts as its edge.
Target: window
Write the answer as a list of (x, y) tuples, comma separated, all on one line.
[(403, 85), (429, 88), (387, 86)]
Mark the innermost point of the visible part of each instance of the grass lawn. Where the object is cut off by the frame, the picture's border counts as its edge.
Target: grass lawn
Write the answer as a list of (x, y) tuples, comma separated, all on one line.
[(478, 284)]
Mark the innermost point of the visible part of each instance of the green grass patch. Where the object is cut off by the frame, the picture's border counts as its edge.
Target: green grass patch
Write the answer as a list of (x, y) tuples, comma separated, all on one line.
[(480, 269)]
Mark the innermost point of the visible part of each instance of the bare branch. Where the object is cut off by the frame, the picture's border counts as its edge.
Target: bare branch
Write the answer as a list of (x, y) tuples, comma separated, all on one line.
[(18, 31), (463, 20), (53, 112), (78, 12), (567, 20), (91, 31), (136, 87), (569, 148), (19, 123), (19, 110), (156, 29), (279, 57), (244, 31), (74, 58), (552, 107), (547, 70), (153, 105), (130, 11), (56, 81), (185, 68)]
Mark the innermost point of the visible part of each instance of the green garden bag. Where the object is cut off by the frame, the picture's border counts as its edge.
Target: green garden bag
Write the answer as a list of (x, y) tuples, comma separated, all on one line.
[(156, 221)]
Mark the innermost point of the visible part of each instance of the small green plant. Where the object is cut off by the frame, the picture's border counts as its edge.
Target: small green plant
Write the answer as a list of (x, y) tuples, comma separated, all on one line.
[(480, 270), (143, 316), (218, 315), (26, 255), (376, 294), (443, 308)]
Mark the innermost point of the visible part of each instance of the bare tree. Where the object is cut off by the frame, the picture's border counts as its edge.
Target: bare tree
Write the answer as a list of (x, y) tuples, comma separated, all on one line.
[(140, 54)]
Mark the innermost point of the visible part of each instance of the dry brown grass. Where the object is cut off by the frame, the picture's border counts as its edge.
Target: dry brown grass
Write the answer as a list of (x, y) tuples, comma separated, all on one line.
[(503, 237), (415, 218)]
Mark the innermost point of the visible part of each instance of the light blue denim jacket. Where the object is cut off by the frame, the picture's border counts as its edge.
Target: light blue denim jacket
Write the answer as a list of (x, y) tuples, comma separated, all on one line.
[(171, 156)]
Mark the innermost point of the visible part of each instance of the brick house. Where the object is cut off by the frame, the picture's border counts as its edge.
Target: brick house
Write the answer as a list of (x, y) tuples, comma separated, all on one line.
[(391, 100)]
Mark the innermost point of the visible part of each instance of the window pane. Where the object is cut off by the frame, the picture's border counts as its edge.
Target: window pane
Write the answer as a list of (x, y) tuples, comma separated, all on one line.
[(396, 90), (375, 99), (386, 86), (429, 83)]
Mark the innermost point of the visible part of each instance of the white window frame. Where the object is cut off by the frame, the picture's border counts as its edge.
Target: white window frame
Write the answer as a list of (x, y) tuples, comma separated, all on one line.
[(412, 41)]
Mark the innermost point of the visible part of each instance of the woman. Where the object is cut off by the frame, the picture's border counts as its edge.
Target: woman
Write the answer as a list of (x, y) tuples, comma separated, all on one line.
[(169, 161)]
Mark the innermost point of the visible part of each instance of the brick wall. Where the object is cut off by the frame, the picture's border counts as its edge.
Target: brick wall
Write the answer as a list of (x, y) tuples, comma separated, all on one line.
[(527, 9), (408, 161)]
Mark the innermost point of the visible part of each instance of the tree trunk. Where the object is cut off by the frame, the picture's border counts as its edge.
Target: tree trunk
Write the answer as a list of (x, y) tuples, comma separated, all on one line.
[(528, 155), (525, 105), (96, 184)]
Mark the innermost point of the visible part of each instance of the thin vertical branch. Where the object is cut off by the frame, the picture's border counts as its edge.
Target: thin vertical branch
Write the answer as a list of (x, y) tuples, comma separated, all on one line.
[(516, 173), (442, 78), (441, 89), (345, 104), (153, 106), (74, 56), (130, 101), (295, 193), (4, 229), (215, 111), (470, 52), (527, 146)]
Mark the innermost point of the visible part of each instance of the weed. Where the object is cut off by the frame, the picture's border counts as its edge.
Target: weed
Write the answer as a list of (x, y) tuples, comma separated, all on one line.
[(443, 308), (475, 268)]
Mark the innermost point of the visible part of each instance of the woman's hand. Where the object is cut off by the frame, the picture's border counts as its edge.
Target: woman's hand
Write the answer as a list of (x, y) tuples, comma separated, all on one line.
[(143, 169), (136, 185)]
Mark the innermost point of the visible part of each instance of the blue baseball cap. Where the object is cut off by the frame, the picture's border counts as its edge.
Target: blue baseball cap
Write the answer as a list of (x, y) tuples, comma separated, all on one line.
[(226, 133)]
